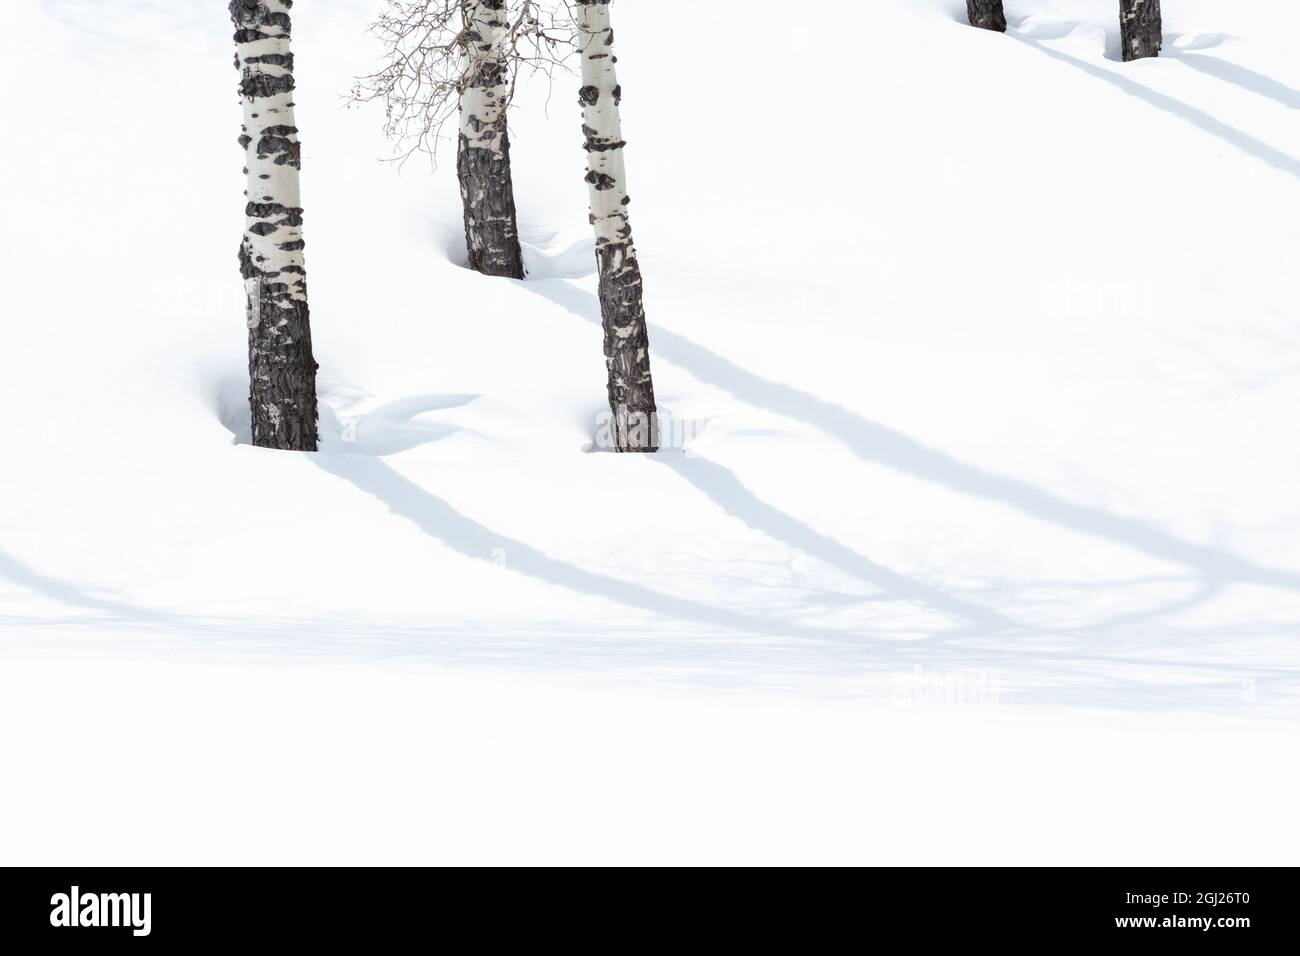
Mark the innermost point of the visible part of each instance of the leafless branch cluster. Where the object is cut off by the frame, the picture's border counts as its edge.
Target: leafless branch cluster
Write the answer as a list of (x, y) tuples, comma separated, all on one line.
[(430, 58)]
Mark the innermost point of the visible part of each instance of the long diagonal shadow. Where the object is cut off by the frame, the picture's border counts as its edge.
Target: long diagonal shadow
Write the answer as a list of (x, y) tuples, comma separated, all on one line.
[(438, 519), (1240, 76), (1199, 118), (878, 444), (728, 493)]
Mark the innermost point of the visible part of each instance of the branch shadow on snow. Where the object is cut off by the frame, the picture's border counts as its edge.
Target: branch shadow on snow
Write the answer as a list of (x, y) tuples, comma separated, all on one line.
[(702, 656), (677, 656)]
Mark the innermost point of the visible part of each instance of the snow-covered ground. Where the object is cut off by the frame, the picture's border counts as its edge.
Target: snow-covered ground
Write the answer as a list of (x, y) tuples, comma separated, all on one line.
[(983, 545)]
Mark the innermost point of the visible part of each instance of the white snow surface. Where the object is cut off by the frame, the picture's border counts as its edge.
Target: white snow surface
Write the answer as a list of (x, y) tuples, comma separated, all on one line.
[(983, 545)]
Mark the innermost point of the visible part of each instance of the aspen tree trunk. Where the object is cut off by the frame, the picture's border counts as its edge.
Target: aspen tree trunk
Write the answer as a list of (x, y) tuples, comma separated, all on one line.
[(483, 147), (281, 369), (987, 14), (1139, 28), (627, 348)]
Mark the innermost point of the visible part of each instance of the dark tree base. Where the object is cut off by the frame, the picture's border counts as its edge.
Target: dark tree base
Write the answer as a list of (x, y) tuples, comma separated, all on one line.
[(627, 357), (488, 196), (987, 15), (1140, 28), (282, 378)]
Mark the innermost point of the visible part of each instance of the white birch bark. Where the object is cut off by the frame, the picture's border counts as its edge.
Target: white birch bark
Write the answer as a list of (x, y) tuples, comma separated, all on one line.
[(483, 152), (627, 350), (282, 371), (483, 98)]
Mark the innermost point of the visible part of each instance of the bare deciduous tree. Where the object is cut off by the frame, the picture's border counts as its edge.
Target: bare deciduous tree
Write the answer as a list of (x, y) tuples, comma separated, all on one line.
[(1139, 28), (281, 369), (444, 57), (987, 15)]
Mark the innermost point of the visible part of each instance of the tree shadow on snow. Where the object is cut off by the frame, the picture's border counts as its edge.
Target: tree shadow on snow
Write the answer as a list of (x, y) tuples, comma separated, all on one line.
[(438, 519), (68, 594), (1203, 121), (1230, 72), (881, 445)]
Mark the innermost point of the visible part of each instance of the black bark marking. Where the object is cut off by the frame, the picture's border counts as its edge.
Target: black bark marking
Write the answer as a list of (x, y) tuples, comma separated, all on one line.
[(588, 96), (263, 210), (491, 73), (627, 357), (488, 200), (253, 85), (275, 142), (600, 181), (1140, 28), (246, 268), (281, 367), (247, 11), (273, 59), (282, 376), (987, 15)]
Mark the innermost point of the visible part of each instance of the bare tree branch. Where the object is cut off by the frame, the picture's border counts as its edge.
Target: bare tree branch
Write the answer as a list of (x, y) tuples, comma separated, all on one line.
[(430, 58)]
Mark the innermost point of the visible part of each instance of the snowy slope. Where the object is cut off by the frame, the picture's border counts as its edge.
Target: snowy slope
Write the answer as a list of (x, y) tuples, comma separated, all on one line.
[(983, 545)]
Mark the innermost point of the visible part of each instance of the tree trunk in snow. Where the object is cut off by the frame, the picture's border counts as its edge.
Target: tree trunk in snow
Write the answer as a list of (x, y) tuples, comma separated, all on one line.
[(483, 150), (627, 349), (1139, 28), (987, 15), (281, 369)]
